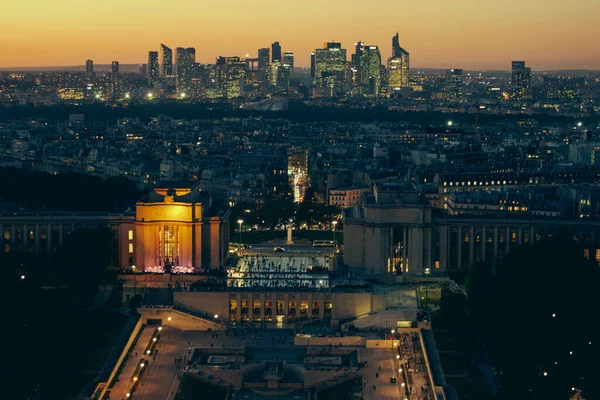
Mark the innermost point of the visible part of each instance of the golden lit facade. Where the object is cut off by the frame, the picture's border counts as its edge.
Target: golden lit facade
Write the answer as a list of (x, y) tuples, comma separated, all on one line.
[(176, 231)]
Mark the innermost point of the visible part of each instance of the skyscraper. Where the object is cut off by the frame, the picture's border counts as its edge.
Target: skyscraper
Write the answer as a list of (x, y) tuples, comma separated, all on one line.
[(454, 84), (264, 58), (288, 61), (312, 65), (370, 71), (115, 81), (276, 52), (520, 81), (330, 70), (400, 61), (185, 61), (358, 50), (89, 70), (166, 61), (152, 67), (235, 69)]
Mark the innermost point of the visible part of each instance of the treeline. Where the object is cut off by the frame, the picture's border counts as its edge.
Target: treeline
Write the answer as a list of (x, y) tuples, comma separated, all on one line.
[(535, 315), (20, 188), (297, 111)]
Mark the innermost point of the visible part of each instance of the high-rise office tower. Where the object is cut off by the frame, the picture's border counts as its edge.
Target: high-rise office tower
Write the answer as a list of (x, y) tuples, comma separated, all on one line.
[(312, 65), (454, 84), (115, 83), (284, 74), (275, 52), (185, 62), (370, 71), (235, 70), (166, 61), (400, 59), (520, 81), (288, 61), (330, 70), (153, 67), (89, 70), (264, 59), (358, 50)]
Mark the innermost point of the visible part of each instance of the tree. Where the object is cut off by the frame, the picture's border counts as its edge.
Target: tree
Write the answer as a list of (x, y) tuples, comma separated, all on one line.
[(538, 321), (85, 256)]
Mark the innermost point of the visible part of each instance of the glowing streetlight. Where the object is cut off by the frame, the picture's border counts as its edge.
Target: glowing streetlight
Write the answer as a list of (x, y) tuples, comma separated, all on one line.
[(398, 357), (240, 222), (183, 95), (545, 373), (160, 328), (22, 277), (579, 124), (216, 316), (154, 339), (168, 319), (450, 123), (334, 224), (393, 331), (127, 95), (150, 95), (97, 96), (142, 365)]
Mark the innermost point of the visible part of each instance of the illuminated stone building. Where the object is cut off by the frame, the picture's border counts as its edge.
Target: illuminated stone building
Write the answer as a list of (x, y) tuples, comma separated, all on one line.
[(177, 227), (395, 232)]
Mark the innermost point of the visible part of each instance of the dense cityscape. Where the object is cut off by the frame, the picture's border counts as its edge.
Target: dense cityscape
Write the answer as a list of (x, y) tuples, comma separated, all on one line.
[(252, 228)]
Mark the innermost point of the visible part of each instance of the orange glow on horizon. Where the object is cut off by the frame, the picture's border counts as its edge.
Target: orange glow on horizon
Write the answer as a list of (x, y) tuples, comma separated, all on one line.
[(468, 34)]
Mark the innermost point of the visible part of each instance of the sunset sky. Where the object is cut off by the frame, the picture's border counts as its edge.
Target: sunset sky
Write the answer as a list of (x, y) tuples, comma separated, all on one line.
[(469, 34)]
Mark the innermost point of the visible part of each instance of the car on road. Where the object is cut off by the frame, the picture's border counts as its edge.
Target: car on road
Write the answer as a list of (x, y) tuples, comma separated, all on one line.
[(393, 379), (279, 250)]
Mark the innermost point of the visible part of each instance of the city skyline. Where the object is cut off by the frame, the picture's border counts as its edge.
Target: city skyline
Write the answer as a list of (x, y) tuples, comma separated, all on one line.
[(442, 36)]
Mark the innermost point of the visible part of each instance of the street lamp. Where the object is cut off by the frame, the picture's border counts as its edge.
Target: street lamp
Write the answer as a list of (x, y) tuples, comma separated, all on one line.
[(427, 272), (240, 222), (216, 316), (133, 268), (334, 223)]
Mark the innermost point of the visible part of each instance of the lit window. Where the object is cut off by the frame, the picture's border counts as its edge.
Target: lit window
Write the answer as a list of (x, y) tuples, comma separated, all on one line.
[(130, 248), (597, 255), (586, 253), (130, 234)]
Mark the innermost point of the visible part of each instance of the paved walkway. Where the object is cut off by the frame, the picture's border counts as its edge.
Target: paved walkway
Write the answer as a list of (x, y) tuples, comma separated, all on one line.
[(384, 389), (123, 383)]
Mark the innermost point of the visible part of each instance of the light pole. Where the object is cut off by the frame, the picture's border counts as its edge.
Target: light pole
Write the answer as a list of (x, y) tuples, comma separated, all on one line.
[(216, 316), (334, 223), (240, 222), (427, 272), (133, 268)]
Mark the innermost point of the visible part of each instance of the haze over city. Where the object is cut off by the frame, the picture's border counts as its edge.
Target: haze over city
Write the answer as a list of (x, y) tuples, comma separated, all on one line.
[(465, 33)]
